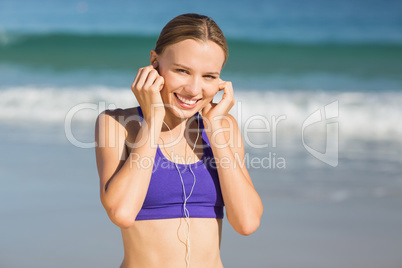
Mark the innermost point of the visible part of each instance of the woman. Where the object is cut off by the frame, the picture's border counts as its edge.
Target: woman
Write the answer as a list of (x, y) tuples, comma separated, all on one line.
[(167, 167)]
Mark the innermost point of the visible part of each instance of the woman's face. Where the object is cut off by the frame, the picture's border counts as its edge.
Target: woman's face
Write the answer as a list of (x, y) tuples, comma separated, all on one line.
[(191, 72)]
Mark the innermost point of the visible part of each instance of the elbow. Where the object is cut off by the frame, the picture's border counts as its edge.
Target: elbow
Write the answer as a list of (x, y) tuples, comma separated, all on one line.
[(121, 218), (249, 227), (249, 223), (246, 226)]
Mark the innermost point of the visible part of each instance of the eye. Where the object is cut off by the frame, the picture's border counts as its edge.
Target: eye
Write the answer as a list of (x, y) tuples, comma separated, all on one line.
[(210, 76), (181, 71)]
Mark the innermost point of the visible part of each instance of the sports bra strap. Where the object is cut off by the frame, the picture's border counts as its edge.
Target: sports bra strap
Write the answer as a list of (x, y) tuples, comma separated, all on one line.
[(140, 113)]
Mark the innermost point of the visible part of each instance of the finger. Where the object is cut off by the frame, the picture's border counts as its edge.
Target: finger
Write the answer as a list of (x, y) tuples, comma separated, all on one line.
[(159, 83), (151, 78), (228, 91), (222, 86), (207, 107), (229, 88), (143, 76), (137, 77)]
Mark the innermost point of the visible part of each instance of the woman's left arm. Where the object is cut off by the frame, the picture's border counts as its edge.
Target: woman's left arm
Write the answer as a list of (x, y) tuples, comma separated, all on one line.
[(243, 204)]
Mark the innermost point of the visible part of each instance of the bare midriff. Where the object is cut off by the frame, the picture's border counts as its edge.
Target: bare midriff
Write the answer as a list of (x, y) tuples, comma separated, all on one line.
[(162, 243)]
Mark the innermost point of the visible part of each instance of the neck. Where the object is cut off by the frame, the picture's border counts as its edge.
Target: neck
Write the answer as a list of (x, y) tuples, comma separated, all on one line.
[(176, 127)]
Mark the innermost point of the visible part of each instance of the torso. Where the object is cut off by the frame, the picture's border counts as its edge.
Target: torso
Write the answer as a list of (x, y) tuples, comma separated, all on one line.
[(162, 242)]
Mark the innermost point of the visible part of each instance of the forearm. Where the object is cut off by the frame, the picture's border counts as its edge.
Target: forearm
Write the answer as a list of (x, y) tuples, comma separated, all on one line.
[(242, 202), (126, 191)]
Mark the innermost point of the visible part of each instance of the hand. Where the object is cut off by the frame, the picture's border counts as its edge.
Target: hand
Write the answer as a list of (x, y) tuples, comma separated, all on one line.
[(214, 113), (146, 88)]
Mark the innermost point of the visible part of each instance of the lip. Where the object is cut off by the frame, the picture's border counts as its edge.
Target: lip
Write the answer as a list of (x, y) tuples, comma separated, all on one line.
[(187, 98), (185, 105)]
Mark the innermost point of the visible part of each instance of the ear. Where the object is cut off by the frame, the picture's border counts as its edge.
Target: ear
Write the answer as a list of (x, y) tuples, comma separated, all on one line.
[(154, 56)]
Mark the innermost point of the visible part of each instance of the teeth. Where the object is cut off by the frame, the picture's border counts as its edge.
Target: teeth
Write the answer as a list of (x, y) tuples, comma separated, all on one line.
[(185, 100)]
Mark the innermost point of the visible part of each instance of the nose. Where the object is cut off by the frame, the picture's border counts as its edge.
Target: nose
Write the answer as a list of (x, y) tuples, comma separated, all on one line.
[(193, 86)]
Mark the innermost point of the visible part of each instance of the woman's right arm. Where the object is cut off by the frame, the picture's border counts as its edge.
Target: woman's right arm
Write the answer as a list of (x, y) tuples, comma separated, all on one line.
[(123, 180)]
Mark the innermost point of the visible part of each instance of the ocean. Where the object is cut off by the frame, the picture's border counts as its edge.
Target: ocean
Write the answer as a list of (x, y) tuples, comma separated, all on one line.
[(318, 90)]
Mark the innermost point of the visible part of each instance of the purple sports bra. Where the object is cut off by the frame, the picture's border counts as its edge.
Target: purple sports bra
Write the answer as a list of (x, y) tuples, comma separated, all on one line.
[(165, 197)]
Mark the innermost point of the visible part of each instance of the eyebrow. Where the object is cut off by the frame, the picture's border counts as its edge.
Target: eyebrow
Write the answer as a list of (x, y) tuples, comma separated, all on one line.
[(188, 68)]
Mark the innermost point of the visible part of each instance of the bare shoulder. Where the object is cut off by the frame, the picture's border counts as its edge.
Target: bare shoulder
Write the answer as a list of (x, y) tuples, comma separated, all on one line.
[(230, 121), (233, 135), (122, 120), (113, 129), (123, 116)]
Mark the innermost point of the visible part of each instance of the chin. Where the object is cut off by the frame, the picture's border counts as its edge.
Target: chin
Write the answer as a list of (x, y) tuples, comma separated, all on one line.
[(183, 113)]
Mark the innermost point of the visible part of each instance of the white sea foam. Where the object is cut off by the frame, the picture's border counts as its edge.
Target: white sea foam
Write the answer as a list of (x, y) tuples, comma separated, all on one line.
[(51, 105), (360, 115)]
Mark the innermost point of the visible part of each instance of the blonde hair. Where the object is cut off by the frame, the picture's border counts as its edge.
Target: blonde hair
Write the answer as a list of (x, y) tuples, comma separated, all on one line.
[(191, 26)]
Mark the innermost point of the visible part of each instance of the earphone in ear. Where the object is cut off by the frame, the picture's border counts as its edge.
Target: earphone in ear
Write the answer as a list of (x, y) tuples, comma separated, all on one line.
[(155, 63)]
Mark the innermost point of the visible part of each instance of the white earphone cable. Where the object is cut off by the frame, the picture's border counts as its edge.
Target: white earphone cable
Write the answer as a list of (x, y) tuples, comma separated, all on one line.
[(186, 212)]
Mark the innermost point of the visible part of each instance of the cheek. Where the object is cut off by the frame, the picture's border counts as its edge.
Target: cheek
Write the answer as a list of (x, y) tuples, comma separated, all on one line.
[(208, 95), (172, 81), (210, 91)]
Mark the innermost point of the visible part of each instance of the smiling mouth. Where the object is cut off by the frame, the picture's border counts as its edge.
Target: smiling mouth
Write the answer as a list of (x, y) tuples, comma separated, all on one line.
[(186, 101)]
